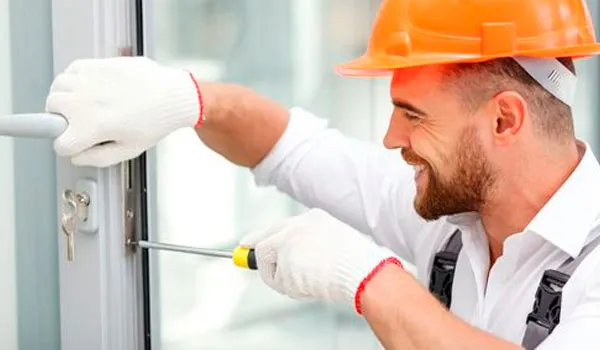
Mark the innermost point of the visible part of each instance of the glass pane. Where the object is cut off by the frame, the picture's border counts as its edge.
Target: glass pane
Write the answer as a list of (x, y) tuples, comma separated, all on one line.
[(29, 299), (285, 49)]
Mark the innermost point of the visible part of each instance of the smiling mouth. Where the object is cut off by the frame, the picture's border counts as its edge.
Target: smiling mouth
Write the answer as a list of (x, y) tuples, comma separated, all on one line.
[(419, 169)]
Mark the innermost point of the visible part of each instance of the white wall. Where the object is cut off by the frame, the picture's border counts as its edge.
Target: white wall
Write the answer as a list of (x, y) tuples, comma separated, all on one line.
[(8, 297)]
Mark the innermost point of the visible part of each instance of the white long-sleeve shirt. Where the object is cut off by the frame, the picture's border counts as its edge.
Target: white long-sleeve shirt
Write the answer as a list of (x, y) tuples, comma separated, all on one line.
[(372, 189)]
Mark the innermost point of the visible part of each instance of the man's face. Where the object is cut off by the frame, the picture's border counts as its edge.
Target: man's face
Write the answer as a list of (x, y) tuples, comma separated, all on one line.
[(442, 139)]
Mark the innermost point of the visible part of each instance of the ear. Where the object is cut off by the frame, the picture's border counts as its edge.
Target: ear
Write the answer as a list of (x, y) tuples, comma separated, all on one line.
[(510, 113)]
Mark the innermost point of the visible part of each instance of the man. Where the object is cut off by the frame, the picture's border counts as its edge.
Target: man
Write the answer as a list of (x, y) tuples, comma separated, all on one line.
[(482, 117)]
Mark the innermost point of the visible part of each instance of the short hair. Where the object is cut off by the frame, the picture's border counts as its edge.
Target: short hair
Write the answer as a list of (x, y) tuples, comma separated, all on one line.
[(479, 82)]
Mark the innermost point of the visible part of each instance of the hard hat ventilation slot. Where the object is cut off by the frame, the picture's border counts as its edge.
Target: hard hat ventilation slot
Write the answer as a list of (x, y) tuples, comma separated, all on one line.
[(554, 77)]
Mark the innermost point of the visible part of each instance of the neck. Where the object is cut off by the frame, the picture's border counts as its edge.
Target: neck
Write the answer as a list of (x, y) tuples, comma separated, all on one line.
[(516, 199)]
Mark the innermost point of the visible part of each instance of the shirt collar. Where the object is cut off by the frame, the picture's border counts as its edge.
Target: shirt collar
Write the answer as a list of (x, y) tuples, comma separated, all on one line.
[(463, 219), (568, 217)]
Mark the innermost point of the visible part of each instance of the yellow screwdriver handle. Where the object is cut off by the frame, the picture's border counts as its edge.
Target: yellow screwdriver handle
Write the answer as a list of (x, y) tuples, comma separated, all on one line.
[(245, 258)]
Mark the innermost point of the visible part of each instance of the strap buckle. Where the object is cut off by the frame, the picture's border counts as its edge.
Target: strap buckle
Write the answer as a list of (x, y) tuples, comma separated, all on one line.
[(547, 305), (442, 276)]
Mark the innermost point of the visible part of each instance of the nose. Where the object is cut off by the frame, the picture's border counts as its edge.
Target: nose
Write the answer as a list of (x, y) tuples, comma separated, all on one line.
[(398, 133)]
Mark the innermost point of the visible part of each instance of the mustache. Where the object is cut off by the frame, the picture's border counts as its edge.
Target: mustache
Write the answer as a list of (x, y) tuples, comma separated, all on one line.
[(411, 157)]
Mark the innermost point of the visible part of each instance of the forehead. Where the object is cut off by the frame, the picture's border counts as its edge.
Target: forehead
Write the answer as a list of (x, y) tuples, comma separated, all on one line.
[(416, 81), (427, 89)]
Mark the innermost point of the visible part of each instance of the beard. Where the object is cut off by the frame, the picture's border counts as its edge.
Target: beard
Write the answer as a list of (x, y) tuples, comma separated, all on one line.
[(467, 187)]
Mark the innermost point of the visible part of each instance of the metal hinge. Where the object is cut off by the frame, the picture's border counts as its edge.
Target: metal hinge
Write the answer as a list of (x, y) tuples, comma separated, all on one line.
[(130, 206)]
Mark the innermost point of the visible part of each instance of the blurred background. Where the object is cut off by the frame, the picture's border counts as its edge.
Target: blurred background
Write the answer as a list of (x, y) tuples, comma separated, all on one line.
[(285, 50)]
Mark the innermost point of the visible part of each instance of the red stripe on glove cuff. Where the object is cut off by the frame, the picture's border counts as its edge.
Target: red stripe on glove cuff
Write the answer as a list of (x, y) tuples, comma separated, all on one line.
[(366, 280), (200, 101)]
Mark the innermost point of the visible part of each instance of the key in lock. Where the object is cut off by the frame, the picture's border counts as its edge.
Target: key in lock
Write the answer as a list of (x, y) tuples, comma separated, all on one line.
[(75, 208)]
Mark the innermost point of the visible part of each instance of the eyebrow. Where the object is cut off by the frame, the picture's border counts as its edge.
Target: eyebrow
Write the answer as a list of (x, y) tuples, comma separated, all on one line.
[(408, 106)]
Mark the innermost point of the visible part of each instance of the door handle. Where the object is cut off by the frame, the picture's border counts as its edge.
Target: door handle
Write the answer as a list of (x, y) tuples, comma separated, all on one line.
[(33, 125)]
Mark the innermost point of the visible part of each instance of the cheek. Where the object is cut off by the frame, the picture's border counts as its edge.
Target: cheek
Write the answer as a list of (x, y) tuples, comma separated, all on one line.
[(434, 144)]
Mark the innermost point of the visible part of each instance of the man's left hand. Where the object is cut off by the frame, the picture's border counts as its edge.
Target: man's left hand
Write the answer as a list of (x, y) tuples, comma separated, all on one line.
[(314, 256)]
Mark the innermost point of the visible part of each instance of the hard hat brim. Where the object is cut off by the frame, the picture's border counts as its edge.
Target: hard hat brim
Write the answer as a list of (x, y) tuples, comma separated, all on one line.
[(381, 65)]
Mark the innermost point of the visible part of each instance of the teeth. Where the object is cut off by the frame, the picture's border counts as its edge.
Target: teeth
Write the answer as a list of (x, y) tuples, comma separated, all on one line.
[(419, 167)]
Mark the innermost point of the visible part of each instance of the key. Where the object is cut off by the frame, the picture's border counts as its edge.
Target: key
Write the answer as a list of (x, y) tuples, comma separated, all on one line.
[(68, 225), (69, 221), (82, 203), (75, 207)]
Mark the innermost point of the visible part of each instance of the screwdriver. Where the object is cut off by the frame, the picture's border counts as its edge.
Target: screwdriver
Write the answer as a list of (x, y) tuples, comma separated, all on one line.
[(242, 256)]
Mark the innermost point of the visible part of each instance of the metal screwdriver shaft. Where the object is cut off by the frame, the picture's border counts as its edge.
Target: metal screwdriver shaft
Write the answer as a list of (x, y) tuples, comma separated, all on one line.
[(241, 256), (184, 249)]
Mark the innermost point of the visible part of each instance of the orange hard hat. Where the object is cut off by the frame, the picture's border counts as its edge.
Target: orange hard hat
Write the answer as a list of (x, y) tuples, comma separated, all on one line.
[(408, 33)]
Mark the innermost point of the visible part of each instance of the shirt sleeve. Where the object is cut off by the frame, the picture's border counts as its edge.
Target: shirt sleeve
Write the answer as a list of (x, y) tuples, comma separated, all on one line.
[(365, 186)]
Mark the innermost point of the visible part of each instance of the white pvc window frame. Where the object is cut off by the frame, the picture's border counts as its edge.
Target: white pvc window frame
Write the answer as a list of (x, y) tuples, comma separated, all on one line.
[(8, 292), (100, 291)]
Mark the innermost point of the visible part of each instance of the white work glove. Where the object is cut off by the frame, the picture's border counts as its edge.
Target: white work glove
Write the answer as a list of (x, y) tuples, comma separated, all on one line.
[(117, 108), (315, 256)]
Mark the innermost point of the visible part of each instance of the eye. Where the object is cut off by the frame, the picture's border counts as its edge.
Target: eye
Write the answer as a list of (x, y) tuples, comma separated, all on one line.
[(411, 116)]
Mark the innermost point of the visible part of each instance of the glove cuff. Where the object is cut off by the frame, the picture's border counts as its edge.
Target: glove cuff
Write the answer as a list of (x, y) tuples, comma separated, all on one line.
[(183, 103), (201, 115), (370, 276), (353, 271)]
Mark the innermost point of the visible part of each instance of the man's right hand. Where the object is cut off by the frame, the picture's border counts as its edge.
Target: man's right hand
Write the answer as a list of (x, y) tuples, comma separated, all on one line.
[(117, 108)]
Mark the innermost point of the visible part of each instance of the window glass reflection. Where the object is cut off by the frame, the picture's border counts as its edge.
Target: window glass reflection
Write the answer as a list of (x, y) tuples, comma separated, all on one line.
[(286, 50)]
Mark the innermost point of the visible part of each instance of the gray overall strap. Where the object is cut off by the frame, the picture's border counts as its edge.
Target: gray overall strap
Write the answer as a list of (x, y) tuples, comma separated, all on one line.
[(546, 309), (442, 271)]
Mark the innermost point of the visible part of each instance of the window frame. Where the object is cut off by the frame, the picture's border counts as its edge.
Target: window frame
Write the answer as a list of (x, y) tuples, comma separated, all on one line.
[(103, 301)]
